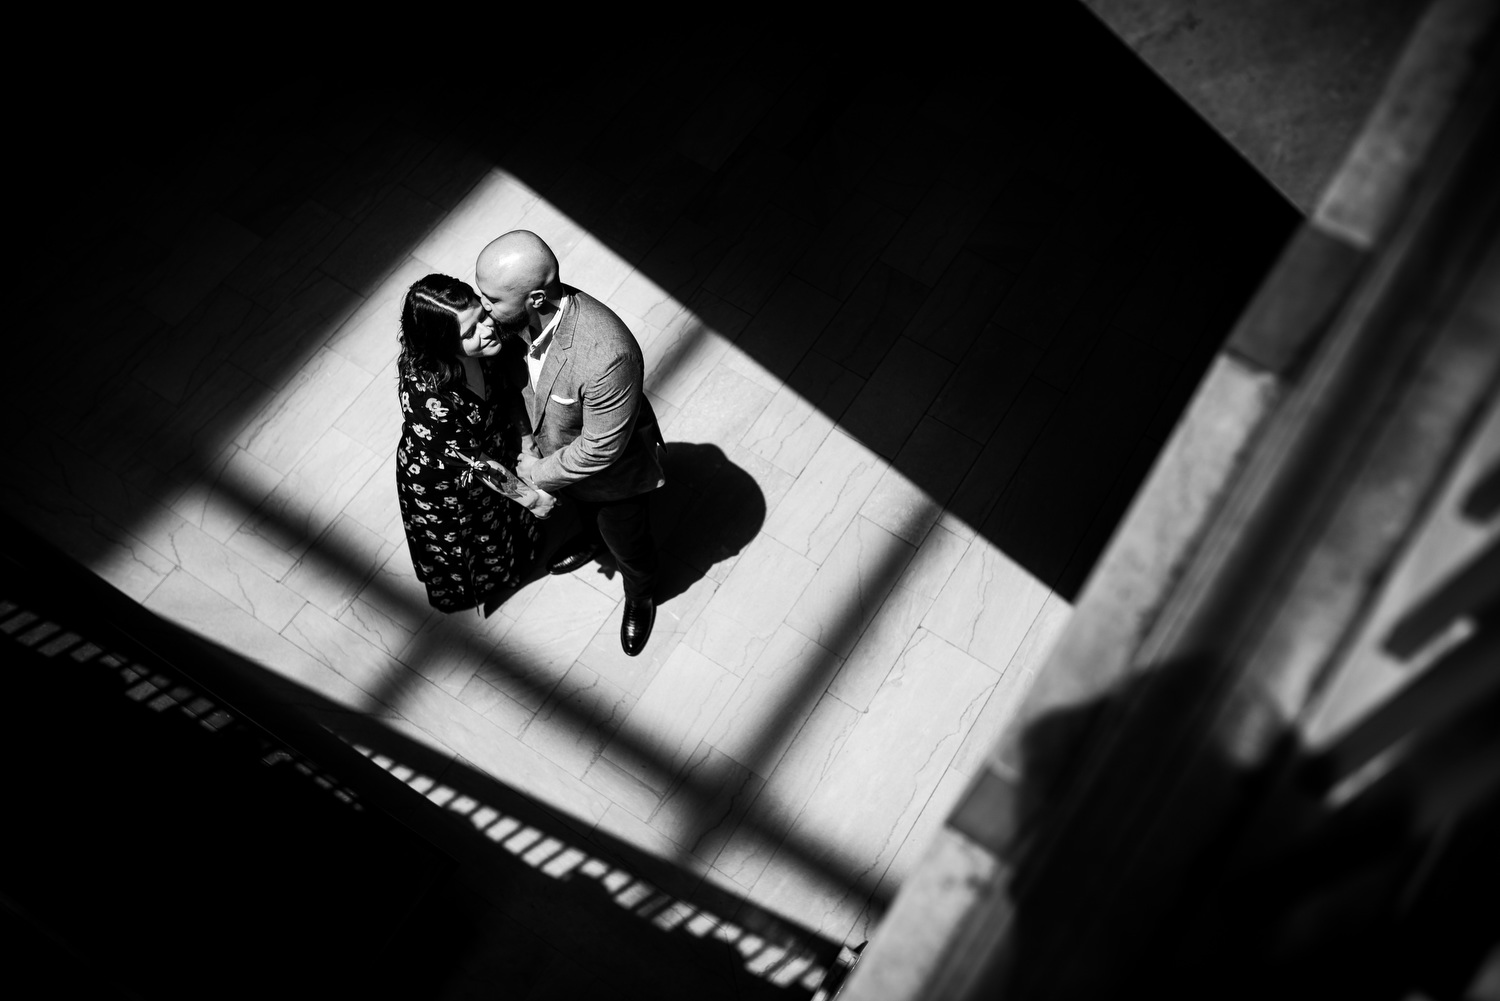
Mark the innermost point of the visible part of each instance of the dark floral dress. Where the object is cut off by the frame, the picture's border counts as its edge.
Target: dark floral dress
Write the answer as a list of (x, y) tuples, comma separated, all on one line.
[(467, 541)]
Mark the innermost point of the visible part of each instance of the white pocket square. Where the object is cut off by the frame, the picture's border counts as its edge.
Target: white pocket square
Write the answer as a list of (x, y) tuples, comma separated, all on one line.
[(563, 400)]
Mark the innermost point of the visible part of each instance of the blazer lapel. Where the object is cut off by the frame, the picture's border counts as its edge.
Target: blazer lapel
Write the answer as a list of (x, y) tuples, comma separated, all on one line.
[(557, 356)]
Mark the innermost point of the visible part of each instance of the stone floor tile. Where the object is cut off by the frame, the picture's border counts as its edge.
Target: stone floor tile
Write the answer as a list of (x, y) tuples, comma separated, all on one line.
[(180, 360), (630, 794), (376, 506), (962, 301), (1007, 448), (796, 778), (593, 267), (826, 498), (774, 697), (449, 172), (724, 403), (909, 856), (292, 422), (873, 791), (910, 497), (533, 655), (493, 206), (371, 336), (672, 715), (797, 420), (936, 558), (1018, 220), (839, 602), (725, 514), (578, 719), (496, 704), (674, 617), (893, 402), (751, 604), (305, 320), (987, 606), (222, 493), (837, 258), (783, 330), (281, 263), (707, 804), (935, 231), (222, 569), (377, 245), (448, 723), (1000, 710), (755, 265), (880, 646), (449, 650), (186, 600), (738, 192), (199, 261), (680, 355), (323, 637), (871, 318), (306, 501), (374, 418), (986, 383)]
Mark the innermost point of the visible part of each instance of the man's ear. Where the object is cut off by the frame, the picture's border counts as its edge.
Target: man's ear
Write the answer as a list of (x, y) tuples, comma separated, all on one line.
[(536, 297)]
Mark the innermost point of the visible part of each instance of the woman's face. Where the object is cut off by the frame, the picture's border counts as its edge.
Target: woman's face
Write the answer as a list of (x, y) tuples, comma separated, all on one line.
[(477, 333)]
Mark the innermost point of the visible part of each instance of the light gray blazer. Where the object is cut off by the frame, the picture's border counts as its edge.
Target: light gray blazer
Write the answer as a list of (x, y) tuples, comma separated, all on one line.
[(590, 417)]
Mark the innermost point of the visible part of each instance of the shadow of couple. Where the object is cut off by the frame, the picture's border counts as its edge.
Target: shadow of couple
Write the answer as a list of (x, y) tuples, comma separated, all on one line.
[(707, 512)]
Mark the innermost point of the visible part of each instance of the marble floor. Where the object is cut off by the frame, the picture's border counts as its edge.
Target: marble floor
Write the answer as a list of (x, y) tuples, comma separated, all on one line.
[(914, 339)]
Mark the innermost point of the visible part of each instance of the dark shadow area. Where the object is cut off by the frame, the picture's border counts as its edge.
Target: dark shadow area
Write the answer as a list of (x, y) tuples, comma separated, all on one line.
[(1027, 383), (1152, 865), (1020, 349), (703, 788), (192, 812), (709, 510)]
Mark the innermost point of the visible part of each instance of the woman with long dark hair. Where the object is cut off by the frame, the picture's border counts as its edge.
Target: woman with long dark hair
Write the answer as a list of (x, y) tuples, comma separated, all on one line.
[(470, 521)]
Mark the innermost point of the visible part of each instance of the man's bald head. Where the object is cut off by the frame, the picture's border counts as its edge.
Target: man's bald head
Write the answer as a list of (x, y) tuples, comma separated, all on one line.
[(518, 261), (517, 276)]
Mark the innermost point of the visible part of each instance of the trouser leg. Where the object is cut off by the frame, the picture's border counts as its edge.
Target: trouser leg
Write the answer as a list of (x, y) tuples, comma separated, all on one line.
[(625, 528)]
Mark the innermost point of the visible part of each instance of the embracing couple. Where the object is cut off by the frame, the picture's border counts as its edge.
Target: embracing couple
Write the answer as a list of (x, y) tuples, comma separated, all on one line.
[(551, 379)]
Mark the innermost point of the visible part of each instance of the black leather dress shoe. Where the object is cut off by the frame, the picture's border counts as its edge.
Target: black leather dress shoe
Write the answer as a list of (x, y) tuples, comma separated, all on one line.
[(573, 554), (636, 623)]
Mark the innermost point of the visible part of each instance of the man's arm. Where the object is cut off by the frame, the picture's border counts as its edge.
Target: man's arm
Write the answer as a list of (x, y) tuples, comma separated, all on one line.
[(610, 403)]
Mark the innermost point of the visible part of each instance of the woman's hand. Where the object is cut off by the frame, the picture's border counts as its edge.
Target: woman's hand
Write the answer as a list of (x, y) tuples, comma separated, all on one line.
[(534, 499), (545, 502)]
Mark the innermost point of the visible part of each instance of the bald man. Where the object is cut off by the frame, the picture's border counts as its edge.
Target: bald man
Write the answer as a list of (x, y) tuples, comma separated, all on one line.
[(597, 440)]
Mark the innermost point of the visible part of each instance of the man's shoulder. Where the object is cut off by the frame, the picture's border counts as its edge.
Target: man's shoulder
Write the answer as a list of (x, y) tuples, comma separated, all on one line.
[(595, 321), (594, 311)]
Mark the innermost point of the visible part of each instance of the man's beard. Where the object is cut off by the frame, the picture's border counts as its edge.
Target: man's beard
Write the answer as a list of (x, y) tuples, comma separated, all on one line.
[(514, 327)]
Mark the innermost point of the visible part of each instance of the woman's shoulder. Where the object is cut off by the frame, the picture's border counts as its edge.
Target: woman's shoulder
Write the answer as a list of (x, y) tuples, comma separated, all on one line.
[(416, 392)]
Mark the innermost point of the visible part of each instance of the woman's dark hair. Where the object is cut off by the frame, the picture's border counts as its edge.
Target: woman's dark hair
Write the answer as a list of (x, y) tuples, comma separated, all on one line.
[(430, 339)]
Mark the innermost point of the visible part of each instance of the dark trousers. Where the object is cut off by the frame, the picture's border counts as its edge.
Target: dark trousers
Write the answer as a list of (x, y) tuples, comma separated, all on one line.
[(624, 526)]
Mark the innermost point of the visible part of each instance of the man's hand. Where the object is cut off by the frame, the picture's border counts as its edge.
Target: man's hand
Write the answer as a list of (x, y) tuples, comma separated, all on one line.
[(526, 467)]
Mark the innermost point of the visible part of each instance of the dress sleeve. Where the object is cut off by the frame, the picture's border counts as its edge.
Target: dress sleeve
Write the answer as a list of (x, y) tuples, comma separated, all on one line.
[(439, 419), (442, 421)]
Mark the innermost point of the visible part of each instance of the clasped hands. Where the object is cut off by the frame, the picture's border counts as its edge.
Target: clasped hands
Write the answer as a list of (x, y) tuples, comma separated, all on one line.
[(526, 468), (530, 496)]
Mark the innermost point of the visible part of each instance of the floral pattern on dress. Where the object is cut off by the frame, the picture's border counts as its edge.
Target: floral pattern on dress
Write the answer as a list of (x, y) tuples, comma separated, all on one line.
[(467, 541)]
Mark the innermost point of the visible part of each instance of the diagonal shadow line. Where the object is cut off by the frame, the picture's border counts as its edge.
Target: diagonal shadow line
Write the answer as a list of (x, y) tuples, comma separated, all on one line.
[(389, 694), (805, 851), (458, 816), (680, 356), (813, 684)]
